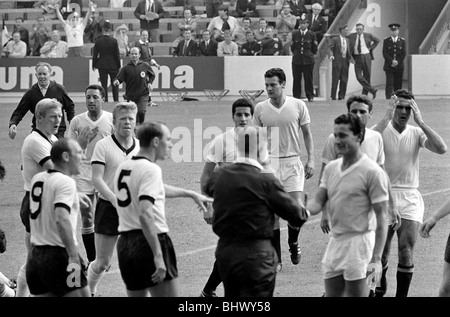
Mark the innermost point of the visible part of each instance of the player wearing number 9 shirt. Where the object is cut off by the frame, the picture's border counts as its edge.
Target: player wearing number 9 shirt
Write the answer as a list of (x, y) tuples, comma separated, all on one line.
[(54, 266), (146, 255)]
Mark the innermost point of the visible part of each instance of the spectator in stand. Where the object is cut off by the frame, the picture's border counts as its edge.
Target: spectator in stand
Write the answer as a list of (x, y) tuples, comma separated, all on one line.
[(67, 7), (328, 9), (317, 23), (55, 48), (40, 35), (285, 21), (74, 28), (107, 60), (120, 34), (24, 33), (270, 45), (149, 12), (207, 47), (219, 24), (240, 33), (297, 7), (48, 8), (212, 8), (188, 4), (227, 47), (144, 49), (260, 32), (246, 8), (15, 48), (94, 27), (251, 47), (187, 47), (189, 22)]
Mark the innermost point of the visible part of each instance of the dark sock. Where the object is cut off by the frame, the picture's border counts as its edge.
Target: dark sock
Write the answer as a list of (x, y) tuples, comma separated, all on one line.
[(293, 234), (276, 243), (89, 245), (404, 277), (213, 281)]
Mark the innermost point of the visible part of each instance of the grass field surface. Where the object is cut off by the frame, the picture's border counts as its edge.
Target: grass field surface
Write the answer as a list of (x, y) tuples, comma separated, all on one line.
[(194, 240)]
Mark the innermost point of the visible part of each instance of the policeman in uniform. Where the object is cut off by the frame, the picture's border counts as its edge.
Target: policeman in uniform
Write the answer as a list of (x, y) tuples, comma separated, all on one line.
[(304, 47), (394, 52)]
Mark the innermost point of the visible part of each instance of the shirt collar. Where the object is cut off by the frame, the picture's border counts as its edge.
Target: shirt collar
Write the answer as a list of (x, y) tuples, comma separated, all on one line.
[(248, 161)]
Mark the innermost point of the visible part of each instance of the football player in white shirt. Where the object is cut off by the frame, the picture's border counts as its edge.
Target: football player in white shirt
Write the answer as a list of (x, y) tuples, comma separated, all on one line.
[(109, 152), (402, 143), (36, 158), (146, 255), (289, 117), (372, 145), (54, 265), (88, 128), (356, 188)]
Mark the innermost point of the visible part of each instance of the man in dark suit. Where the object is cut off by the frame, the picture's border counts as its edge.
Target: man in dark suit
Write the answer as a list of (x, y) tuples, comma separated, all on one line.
[(207, 47), (341, 56), (362, 45), (303, 47), (106, 58), (187, 46), (149, 12), (394, 53), (317, 23), (246, 8), (328, 9)]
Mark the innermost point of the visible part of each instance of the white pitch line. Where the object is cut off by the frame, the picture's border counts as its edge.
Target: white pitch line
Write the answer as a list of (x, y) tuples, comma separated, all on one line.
[(308, 222)]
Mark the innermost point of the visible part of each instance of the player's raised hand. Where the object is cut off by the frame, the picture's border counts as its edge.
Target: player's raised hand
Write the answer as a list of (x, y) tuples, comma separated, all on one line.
[(416, 112), (392, 104)]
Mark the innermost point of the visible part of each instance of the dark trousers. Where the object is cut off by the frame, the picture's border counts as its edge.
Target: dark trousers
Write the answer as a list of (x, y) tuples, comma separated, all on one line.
[(142, 104), (248, 269), (363, 67), (394, 82), (307, 72), (112, 73), (339, 75)]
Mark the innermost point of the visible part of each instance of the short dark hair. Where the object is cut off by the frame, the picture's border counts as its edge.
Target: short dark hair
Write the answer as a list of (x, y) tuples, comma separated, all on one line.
[(355, 123), (58, 148), (147, 131), (246, 19), (96, 87), (404, 93), (276, 72), (242, 102), (359, 98), (223, 8)]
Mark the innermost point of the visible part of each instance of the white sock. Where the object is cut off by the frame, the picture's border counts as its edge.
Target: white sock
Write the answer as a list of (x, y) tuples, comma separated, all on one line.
[(7, 292), (93, 279), (22, 286)]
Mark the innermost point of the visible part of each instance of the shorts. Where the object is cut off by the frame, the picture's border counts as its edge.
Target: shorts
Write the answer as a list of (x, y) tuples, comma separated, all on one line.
[(348, 255), (46, 271), (25, 211), (290, 172), (136, 262), (447, 251), (106, 219), (409, 204)]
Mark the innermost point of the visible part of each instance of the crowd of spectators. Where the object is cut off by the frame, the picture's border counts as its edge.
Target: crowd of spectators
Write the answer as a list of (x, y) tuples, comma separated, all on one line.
[(259, 37)]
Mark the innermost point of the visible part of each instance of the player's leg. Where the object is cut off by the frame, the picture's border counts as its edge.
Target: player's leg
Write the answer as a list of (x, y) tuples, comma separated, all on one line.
[(356, 288), (103, 74), (142, 104), (168, 288), (335, 286), (407, 237), (81, 292), (22, 286), (380, 291), (104, 245), (115, 89), (444, 289), (87, 228)]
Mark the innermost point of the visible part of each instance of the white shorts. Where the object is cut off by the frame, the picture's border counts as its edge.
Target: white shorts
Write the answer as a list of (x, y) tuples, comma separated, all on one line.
[(348, 255), (290, 173), (409, 204)]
